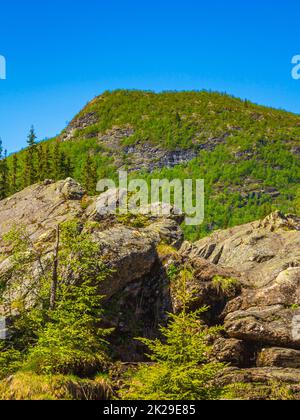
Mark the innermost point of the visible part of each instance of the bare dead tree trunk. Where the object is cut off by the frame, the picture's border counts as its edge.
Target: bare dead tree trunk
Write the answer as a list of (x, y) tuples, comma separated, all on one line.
[(54, 283)]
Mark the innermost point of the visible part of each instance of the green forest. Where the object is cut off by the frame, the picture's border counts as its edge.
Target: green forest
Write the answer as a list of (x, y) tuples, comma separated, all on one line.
[(252, 171)]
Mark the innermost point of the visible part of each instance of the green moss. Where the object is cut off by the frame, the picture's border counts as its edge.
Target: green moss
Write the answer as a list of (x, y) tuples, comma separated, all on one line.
[(132, 220), (226, 285)]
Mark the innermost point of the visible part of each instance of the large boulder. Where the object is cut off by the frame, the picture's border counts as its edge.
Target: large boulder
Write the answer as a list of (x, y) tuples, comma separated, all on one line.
[(128, 247), (270, 314), (279, 357), (272, 325), (129, 252), (41, 208), (267, 383)]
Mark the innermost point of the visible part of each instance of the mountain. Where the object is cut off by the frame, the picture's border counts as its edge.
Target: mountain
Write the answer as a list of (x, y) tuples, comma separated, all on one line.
[(216, 306), (247, 154), (247, 277)]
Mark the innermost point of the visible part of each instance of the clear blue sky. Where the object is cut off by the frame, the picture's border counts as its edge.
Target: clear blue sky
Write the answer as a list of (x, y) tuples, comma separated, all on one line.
[(61, 53)]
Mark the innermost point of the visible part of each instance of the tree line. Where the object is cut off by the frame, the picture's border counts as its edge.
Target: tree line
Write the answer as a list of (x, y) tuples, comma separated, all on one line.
[(38, 162)]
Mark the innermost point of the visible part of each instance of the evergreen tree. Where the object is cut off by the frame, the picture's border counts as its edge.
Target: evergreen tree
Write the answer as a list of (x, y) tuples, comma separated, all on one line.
[(90, 175), (182, 369), (56, 161), (26, 171), (65, 337), (14, 174), (29, 170), (41, 163), (48, 162), (31, 139), (65, 166), (4, 173)]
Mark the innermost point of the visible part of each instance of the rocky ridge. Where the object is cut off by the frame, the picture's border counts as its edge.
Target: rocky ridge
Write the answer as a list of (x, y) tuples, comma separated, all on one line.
[(249, 276)]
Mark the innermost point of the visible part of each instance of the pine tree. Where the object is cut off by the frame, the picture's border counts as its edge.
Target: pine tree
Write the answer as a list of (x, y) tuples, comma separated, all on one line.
[(41, 163), (72, 341), (4, 173), (48, 162), (56, 161), (26, 171), (90, 175), (65, 166), (14, 174), (30, 173), (31, 139), (182, 369)]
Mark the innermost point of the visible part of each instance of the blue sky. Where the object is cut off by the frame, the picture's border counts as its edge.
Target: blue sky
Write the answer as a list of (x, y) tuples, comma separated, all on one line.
[(61, 53)]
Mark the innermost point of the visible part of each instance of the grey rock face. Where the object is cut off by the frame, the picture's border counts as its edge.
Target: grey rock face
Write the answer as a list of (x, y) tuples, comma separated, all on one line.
[(271, 325), (130, 252), (85, 121), (231, 351), (266, 312), (260, 251)]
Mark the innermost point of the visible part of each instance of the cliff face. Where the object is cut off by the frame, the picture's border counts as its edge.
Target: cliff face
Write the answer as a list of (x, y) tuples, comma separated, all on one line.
[(249, 276)]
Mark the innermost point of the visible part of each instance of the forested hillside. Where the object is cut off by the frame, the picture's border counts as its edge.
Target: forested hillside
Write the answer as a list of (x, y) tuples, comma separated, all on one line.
[(247, 154), (89, 299)]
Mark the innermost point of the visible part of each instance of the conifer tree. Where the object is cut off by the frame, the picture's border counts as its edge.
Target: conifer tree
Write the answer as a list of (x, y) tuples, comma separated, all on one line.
[(4, 173), (65, 166), (90, 175), (48, 162), (30, 173), (31, 139), (41, 163), (14, 174), (56, 161), (26, 171), (182, 369)]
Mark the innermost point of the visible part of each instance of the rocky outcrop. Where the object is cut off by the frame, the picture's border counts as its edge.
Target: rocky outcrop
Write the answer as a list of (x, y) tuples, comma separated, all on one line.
[(263, 318), (40, 208), (79, 123), (128, 247), (248, 276), (279, 357), (138, 154), (260, 251)]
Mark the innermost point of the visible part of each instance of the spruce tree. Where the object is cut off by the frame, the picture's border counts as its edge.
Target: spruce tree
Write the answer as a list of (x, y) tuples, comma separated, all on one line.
[(48, 162), (30, 173), (31, 139), (182, 368), (41, 163), (14, 174), (4, 173), (65, 166), (56, 161), (90, 175)]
